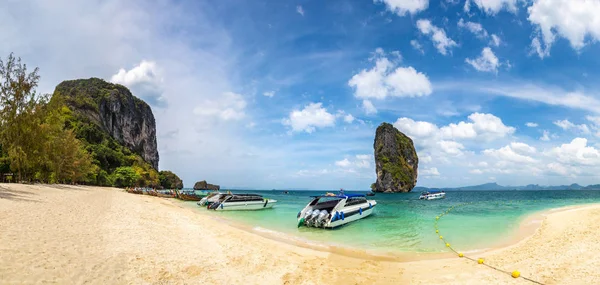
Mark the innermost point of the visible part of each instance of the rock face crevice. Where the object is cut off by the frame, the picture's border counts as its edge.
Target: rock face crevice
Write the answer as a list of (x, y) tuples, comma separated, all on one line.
[(113, 108), (396, 160)]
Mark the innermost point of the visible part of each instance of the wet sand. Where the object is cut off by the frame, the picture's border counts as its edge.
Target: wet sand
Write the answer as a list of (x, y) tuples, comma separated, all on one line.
[(93, 235)]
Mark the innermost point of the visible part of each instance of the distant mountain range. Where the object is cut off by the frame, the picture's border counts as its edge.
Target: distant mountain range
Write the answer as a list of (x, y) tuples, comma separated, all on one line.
[(530, 187)]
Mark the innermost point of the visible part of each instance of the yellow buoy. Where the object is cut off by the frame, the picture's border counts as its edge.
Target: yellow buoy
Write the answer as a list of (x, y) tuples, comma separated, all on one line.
[(447, 245), (515, 274), (437, 231), (480, 261), (461, 255), (441, 237), (437, 217)]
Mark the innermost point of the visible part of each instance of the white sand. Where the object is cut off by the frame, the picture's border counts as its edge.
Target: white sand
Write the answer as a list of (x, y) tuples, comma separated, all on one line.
[(93, 235)]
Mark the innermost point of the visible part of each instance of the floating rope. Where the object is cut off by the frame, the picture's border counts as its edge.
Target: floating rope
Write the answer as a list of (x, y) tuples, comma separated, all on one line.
[(514, 274)]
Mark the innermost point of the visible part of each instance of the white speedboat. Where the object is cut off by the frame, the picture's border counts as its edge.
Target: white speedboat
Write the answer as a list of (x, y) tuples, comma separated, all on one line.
[(333, 211), (432, 195), (237, 202), (211, 198)]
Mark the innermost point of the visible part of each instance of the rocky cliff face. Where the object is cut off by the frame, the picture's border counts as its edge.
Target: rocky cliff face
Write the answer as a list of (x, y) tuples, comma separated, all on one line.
[(396, 160), (116, 111), (203, 185)]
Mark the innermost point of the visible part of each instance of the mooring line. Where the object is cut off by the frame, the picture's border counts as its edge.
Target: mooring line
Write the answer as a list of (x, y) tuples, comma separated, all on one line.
[(514, 274)]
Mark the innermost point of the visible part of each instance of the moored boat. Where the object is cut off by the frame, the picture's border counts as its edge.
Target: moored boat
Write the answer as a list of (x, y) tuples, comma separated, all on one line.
[(432, 195), (189, 195), (237, 202), (165, 194), (334, 211), (211, 198)]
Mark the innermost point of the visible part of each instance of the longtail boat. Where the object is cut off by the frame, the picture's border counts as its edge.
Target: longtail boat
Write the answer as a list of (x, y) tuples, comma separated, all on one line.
[(189, 196), (166, 194)]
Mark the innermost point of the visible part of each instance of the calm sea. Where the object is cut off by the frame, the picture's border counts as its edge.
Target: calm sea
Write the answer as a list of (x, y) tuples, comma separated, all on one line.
[(402, 223)]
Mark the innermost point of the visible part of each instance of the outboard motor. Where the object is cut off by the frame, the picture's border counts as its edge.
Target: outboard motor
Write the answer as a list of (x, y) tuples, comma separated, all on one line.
[(322, 218), (214, 205)]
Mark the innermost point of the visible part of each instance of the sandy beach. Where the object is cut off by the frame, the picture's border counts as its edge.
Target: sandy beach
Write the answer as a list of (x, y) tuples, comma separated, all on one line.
[(75, 235)]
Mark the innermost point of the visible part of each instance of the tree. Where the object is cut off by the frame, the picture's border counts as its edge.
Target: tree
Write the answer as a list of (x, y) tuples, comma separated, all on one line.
[(169, 180), (125, 176), (18, 104)]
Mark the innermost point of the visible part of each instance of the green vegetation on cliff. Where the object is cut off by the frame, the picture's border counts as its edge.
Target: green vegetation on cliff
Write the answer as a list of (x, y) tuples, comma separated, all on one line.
[(78, 136), (396, 160), (169, 180)]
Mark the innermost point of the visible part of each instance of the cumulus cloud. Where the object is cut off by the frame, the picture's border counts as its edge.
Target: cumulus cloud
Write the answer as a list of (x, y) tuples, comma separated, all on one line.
[(474, 28), (438, 36), (487, 62), (417, 46), (492, 7), (300, 10), (144, 80), (349, 118), (369, 107), (433, 171), (343, 163), (385, 79), (568, 125), (402, 7), (228, 107), (576, 153), (269, 94), (573, 20), (531, 124), (480, 126), (451, 147), (509, 153), (310, 118)]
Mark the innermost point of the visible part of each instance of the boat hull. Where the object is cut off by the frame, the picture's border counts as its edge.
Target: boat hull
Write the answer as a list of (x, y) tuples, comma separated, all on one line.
[(342, 217), (246, 206)]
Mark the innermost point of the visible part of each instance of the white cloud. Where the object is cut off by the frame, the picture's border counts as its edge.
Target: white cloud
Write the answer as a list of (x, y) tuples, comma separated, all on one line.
[(576, 153), (402, 7), (343, 163), (308, 119), (433, 171), (383, 80), (573, 20), (300, 10), (531, 124), (481, 126), (417, 46), (349, 118), (487, 62), (496, 41), (369, 107), (144, 80), (474, 28), (269, 94), (492, 7), (438, 36), (545, 136), (476, 171), (567, 125), (228, 107), (451, 147)]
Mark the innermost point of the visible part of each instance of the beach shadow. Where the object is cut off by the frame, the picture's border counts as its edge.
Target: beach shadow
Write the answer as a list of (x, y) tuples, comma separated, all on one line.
[(16, 195)]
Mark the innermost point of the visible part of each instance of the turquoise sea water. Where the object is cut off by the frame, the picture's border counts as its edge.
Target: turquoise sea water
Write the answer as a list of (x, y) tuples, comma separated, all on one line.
[(402, 223)]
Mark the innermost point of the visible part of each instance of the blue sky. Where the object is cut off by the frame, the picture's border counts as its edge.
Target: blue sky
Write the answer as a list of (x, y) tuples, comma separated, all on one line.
[(288, 94)]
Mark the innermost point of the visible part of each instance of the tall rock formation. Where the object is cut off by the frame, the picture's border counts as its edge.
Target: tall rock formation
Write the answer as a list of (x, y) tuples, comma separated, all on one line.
[(203, 185), (114, 110), (396, 160)]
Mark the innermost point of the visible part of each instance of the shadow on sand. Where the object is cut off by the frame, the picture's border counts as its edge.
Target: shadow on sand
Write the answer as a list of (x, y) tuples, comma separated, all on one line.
[(16, 195)]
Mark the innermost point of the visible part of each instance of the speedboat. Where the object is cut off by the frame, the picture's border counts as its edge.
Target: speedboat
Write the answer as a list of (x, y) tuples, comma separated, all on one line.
[(334, 211), (237, 202), (432, 195), (211, 198)]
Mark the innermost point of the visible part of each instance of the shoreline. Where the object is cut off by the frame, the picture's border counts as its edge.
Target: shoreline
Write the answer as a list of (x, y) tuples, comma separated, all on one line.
[(95, 235), (528, 226)]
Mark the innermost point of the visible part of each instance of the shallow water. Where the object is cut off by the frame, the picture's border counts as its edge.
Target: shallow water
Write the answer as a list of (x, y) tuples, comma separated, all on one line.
[(402, 223)]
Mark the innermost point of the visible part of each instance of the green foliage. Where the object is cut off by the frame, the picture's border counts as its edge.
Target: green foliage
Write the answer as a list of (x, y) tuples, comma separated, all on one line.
[(373, 187), (125, 176), (169, 180)]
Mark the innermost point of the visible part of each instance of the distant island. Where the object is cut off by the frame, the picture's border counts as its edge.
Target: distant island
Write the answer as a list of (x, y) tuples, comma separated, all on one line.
[(496, 186)]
